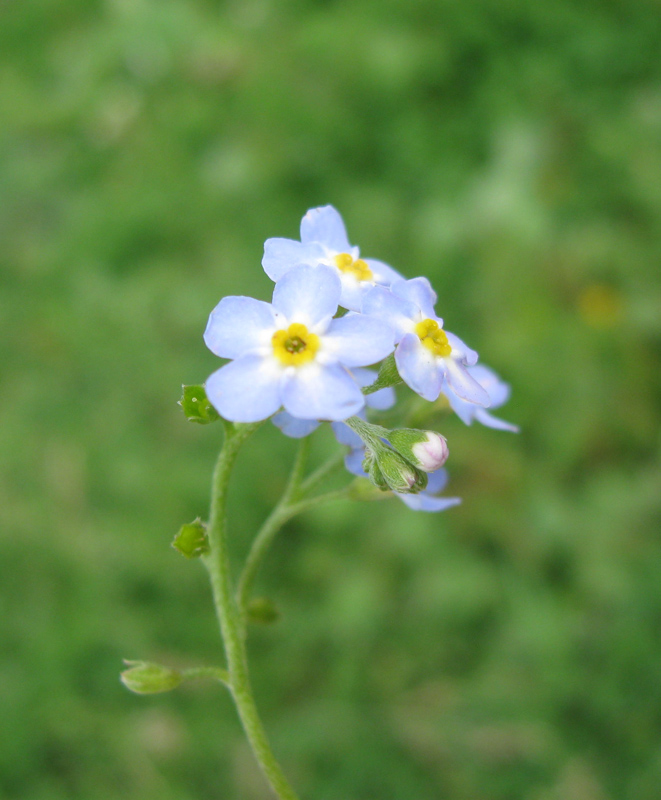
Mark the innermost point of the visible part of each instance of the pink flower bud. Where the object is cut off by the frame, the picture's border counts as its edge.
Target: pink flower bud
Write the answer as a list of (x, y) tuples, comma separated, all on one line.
[(431, 453)]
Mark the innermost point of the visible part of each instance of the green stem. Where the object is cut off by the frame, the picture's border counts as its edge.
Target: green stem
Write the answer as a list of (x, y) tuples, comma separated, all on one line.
[(216, 673), (231, 625), (369, 433), (311, 502), (294, 482), (258, 551), (284, 511), (266, 535), (316, 477)]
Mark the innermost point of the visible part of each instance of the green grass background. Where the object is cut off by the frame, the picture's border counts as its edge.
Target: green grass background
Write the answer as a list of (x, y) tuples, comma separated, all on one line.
[(509, 649)]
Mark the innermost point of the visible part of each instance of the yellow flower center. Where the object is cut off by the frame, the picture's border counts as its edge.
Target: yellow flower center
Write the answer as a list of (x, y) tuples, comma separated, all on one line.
[(356, 267), (433, 337), (295, 346)]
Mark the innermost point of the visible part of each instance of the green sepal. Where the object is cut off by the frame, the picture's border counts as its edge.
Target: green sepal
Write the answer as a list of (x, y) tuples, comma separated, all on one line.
[(192, 540), (386, 467), (388, 376), (399, 474), (145, 677), (371, 467), (262, 611), (196, 406), (426, 450)]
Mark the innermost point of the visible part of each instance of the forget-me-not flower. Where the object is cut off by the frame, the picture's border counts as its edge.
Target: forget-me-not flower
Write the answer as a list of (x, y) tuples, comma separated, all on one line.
[(426, 355), (291, 352), (324, 241), (299, 428), (498, 391)]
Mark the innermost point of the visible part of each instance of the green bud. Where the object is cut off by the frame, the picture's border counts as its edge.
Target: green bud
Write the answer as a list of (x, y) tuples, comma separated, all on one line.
[(371, 467), (400, 475), (192, 540), (144, 677), (388, 469), (196, 405), (262, 611), (426, 450)]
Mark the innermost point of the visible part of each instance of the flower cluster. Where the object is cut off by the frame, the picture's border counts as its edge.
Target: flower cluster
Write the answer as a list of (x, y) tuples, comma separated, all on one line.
[(301, 359)]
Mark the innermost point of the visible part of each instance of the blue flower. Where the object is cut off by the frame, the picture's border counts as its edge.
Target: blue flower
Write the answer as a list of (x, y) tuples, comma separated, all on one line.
[(299, 428), (498, 391), (292, 352), (324, 241), (426, 355), (426, 500)]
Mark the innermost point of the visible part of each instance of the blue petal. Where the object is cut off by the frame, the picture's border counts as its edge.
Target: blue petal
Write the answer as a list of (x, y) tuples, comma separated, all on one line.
[(436, 482), (483, 416), (353, 461), (346, 436), (383, 274), (423, 502), (462, 384), (498, 390), (246, 390), (382, 399), (461, 350), (325, 225), (379, 400), (462, 408), (238, 325), (382, 303), (357, 340), (353, 291), (292, 427), (280, 255), (364, 377), (321, 392), (427, 500), (418, 291), (418, 367), (308, 295)]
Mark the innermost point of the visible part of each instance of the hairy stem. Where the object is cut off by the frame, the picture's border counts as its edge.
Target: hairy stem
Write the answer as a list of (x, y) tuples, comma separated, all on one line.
[(327, 468), (218, 674), (287, 508), (231, 625)]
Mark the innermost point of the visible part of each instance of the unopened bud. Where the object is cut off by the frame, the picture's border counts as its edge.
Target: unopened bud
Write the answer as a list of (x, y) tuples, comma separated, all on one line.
[(427, 450), (388, 469), (192, 540), (371, 467), (196, 406), (262, 611), (145, 677), (400, 475)]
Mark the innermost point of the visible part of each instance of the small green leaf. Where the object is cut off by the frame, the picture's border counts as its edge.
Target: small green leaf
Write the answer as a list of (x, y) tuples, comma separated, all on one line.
[(388, 376), (145, 677), (192, 540), (196, 405), (262, 611)]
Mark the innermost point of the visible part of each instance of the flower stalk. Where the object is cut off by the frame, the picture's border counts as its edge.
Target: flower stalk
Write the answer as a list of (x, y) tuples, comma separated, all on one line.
[(231, 624)]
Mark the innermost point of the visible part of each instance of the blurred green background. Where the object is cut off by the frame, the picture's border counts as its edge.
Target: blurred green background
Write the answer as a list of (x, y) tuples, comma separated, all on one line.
[(508, 649)]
